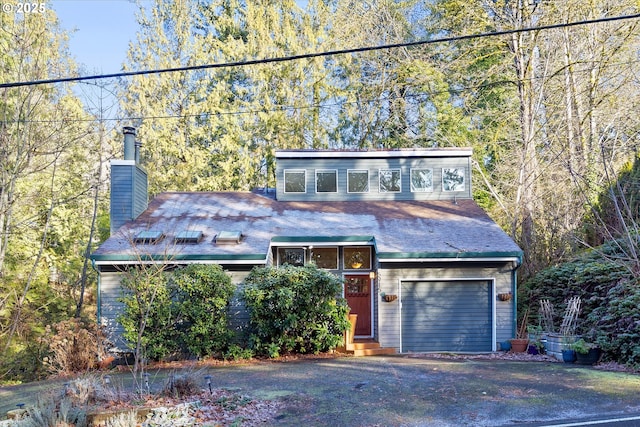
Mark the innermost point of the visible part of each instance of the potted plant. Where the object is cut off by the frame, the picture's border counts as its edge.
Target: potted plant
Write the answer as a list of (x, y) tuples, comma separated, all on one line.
[(567, 351), (586, 353), (520, 342), (536, 342)]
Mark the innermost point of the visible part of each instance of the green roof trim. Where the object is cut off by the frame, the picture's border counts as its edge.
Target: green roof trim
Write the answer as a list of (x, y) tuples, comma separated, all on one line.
[(321, 239), (454, 255), (169, 258)]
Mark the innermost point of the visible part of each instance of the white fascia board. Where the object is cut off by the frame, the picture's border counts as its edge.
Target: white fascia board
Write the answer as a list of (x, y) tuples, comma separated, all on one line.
[(182, 261), (382, 154), (320, 244), (119, 162), (487, 259)]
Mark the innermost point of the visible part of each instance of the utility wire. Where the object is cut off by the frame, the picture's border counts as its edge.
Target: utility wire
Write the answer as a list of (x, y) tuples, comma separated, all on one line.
[(317, 54)]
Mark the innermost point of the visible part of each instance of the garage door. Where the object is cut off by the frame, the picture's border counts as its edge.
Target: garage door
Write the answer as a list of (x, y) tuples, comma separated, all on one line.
[(446, 316)]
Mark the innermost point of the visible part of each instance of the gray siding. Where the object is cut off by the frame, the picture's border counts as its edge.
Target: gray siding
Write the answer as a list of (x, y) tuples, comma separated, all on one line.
[(446, 316), (128, 193), (391, 275), (110, 308), (342, 165)]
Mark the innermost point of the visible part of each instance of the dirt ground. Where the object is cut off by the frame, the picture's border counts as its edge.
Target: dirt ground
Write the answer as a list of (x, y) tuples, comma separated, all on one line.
[(415, 390)]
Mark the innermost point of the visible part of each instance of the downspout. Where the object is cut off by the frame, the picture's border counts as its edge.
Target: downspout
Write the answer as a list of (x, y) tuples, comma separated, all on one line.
[(98, 300), (514, 280)]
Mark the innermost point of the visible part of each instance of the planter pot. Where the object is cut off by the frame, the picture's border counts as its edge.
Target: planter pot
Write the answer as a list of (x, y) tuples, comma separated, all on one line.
[(590, 358), (505, 345), (532, 349), (519, 345), (568, 356)]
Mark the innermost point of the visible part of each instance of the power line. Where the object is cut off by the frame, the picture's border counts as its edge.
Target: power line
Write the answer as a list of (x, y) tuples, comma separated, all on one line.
[(317, 54)]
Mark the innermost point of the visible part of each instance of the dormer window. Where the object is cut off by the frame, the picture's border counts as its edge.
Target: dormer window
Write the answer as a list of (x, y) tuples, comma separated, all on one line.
[(295, 181), (358, 181), (389, 180), (326, 181)]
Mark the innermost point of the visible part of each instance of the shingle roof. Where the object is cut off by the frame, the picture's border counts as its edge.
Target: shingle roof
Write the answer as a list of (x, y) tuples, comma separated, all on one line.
[(410, 229)]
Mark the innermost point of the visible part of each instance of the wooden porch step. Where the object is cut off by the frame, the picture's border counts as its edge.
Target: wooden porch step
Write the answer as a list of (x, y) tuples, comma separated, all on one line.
[(368, 347)]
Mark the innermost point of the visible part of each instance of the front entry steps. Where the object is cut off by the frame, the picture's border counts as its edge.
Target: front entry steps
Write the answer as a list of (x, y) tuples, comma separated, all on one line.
[(368, 347)]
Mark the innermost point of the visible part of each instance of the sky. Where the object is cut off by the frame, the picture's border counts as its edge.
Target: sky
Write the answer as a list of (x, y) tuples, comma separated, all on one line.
[(102, 31)]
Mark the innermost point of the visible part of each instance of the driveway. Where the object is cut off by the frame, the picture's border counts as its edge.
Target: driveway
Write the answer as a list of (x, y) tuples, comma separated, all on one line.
[(423, 391)]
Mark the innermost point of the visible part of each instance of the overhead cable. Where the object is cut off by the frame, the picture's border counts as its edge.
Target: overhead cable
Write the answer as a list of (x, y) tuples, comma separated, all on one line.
[(316, 54)]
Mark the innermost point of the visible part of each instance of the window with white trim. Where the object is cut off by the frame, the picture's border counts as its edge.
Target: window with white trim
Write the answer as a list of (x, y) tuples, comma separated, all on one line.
[(358, 181), (389, 180), (421, 180), (325, 257), (326, 181), (291, 256), (453, 179), (295, 181)]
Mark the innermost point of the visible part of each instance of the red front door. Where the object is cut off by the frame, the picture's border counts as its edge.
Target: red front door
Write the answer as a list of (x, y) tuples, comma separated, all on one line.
[(357, 291)]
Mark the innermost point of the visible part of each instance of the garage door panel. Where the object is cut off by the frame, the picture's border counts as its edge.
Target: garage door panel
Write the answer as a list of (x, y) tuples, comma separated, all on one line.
[(446, 316)]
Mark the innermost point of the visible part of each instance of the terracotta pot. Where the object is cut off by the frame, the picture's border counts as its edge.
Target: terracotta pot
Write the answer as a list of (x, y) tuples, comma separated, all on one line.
[(519, 345)]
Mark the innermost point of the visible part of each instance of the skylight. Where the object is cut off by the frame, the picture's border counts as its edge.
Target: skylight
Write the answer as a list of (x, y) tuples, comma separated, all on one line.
[(228, 237), (148, 237), (189, 236)]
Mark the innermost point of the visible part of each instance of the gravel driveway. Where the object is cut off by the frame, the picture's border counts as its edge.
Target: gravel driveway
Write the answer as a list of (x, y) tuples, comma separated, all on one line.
[(421, 391), (415, 391)]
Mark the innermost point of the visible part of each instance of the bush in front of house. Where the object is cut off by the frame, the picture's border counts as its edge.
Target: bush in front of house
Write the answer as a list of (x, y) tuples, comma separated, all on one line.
[(181, 312), (610, 294), (201, 295), (294, 310)]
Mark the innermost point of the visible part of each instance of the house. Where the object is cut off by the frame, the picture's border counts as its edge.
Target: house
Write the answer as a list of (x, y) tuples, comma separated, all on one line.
[(422, 263)]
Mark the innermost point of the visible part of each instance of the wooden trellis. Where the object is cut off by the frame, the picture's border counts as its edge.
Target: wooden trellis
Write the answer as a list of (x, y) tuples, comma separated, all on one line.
[(546, 315), (570, 319)]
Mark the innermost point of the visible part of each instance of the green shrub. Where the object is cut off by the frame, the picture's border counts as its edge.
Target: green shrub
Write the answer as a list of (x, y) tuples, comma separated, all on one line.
[(610, 314), (147, 307), (187, 311), (294, 310), (201, 295)]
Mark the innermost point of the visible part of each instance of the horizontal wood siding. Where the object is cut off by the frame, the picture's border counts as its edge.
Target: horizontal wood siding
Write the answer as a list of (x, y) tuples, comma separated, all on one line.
[(446, 316), (373, 166), (129, 196), (140, 192), (110, 308), (390, 276)]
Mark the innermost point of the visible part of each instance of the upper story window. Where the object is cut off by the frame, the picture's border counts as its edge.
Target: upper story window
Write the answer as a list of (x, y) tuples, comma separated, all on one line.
[(295, 181), (326, 181), (389, 180), (453, 179), (422, 180), (358, 181)]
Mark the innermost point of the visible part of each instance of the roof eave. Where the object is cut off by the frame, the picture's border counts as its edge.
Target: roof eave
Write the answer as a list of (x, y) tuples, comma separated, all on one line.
[(251, 259), (508, 256)]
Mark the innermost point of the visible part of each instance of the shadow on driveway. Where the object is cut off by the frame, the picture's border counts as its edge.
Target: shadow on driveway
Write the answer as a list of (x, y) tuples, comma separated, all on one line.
[(416, 391)]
